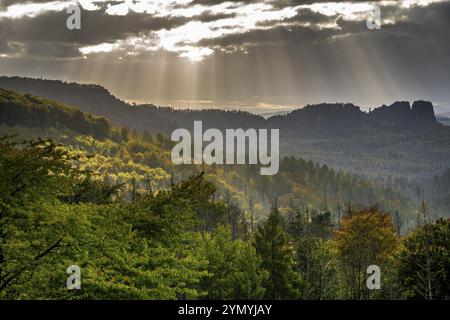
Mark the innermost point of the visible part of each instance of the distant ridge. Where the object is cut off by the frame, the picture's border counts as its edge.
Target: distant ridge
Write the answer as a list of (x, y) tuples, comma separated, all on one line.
[(444, 121), (318, 119), (267, 115), (99, 101), (398, 139), (29, 111), (93, 99)]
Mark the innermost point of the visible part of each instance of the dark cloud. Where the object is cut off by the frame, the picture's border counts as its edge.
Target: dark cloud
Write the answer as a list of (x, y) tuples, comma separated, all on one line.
[(51, 50), (41, 31), (97, 27), (296, 35), (5, 3)]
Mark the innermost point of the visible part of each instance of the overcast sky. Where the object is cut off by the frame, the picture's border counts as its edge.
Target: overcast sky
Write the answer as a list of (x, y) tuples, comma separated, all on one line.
[(260, 56)]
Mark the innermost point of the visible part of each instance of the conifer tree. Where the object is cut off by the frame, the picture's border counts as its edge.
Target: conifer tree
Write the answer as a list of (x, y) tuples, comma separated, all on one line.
[(273, 245)]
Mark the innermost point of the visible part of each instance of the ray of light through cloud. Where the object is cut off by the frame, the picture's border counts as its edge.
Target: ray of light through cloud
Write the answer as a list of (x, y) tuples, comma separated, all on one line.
[(293, 52), (183, 40)]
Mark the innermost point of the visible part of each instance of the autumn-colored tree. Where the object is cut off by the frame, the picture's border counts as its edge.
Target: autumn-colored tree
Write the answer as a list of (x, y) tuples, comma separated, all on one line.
[(367, 237)]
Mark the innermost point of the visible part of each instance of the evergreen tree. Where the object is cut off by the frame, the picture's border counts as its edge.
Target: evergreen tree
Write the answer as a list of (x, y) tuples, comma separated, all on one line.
[(424, 262), (272, 243), (234, 267)]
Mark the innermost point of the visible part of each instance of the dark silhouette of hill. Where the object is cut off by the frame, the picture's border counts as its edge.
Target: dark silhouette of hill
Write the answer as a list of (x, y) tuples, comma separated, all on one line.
[(397, 139), (347, 119), (93, 99), (340, 119), (402, 114), (30, 111), (97, 100)]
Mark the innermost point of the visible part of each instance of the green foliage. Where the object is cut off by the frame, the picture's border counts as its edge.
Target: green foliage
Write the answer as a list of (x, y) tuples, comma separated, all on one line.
[(32, 176), (175, 242), (92, 190), (32, 111), (319, 269), (233, 267), (316, 254), (272, 243), (109, 200), (424, 262), (41, 236)]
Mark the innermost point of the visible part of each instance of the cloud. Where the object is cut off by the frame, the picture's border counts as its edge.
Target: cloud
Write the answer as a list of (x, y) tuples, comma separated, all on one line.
[(311, 50), (193, 29)]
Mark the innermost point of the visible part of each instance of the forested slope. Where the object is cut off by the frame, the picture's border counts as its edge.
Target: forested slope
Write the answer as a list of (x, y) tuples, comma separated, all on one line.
[(143, 161), (139, 228), (399, 140)]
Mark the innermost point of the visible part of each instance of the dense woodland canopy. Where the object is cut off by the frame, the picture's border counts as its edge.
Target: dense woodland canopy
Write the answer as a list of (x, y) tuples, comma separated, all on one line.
[(77, 190)]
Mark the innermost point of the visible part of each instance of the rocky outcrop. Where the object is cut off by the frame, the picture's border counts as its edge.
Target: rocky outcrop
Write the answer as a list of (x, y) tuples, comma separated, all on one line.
[(397, 113), (423, 111), (402, 115)]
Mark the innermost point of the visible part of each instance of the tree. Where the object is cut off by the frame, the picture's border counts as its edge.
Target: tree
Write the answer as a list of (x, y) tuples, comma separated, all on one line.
[(316, 259), (367, 237), (33, 174), (90, 189), (272, 243), (424, 262), (141, 250), (234, 268)]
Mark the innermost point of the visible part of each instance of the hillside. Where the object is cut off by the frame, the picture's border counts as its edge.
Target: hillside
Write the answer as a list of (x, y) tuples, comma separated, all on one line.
[(93, 99), (31, 111), (122, 157), (141, 228), (322, 118), (399, 140)]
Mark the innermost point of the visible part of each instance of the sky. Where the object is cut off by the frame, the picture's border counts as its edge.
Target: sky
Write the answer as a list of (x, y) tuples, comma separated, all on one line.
[(260, 56)]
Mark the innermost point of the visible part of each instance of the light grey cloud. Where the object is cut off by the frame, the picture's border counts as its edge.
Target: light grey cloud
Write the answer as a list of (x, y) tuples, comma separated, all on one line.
[(185, 27)]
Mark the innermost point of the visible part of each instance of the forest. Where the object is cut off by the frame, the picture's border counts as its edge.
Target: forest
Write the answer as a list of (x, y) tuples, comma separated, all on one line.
[(76, 189), (401, 139)]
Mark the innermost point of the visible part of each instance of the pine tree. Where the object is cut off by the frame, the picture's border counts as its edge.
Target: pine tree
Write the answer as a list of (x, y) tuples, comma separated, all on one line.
[(424, 262), (273, 245)]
